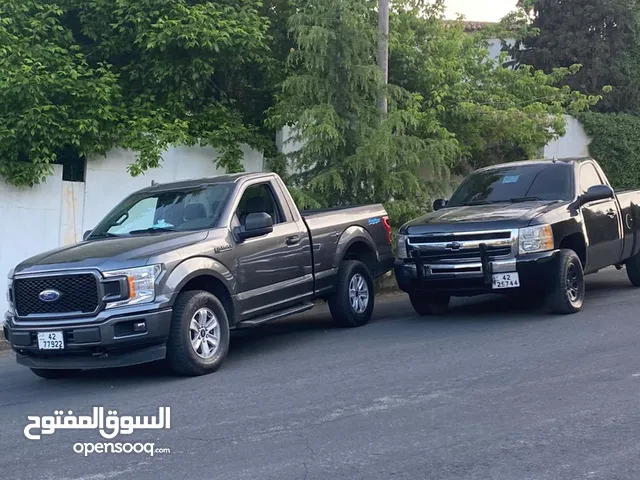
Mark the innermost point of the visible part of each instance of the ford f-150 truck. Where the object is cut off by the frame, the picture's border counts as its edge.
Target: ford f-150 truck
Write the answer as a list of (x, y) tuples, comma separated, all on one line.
[(173, 268), (533, 228)]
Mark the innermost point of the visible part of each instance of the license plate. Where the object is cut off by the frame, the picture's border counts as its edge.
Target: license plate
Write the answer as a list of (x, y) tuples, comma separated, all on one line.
[(506, 280), (50, 341)]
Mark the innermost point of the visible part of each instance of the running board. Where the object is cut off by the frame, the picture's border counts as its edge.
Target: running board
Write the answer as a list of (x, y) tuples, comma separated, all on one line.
[(254, 322)]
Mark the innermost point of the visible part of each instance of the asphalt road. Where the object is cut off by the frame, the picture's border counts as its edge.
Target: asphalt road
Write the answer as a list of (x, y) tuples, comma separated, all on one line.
[(493, 390)]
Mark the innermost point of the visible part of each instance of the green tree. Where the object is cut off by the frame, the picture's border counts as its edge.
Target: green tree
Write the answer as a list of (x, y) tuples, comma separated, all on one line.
[(495, 113), (350, 153), (51, 98), (139, 74), (603, 36)]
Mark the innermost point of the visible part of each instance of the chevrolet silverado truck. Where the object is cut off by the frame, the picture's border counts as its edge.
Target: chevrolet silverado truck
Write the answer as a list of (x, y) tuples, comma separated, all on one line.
[(532, 228), (173, 268)]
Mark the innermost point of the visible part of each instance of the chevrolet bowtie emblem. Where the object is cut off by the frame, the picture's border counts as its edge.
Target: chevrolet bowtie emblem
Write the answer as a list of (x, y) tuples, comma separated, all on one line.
[(453, 246)]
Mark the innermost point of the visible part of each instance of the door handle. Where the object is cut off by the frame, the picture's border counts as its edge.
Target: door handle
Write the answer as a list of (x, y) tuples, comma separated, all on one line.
[(611, 213), (293, 240)]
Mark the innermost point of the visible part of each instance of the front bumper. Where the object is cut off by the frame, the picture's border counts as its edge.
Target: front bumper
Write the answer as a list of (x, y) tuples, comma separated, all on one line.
[(536, 272), (113, 342)]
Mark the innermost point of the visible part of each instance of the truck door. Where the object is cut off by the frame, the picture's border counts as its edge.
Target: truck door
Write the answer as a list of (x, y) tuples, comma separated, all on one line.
[(601, 220), (272, 271)]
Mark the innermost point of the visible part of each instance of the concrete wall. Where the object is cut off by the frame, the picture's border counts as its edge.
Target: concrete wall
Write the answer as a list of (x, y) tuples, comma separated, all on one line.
[(31, 220), (575, 142), (57, 213)]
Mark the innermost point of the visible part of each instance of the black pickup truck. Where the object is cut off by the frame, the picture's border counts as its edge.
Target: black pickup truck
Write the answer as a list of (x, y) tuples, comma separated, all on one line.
[(532, 228), (173, 268)]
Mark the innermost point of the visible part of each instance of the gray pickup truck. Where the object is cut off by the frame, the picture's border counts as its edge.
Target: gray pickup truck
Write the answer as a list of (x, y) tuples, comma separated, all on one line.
[(173, 268)]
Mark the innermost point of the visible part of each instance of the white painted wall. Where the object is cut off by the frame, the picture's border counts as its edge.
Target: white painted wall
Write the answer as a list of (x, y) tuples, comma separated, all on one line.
[(32, 224), (575, 142), (57, 213)]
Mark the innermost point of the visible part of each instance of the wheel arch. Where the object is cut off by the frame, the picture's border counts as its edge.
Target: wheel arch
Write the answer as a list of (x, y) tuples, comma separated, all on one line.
[(357, 244), (204, 274), (576, 242)]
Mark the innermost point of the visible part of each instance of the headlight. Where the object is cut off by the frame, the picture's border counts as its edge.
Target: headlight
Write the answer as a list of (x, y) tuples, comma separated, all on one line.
[(141, 282), (9, 286), (401, 250), (9, 300), (535, 239)]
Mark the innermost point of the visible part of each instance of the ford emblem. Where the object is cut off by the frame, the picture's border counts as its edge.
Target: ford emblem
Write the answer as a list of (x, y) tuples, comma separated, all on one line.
[(49, 295)]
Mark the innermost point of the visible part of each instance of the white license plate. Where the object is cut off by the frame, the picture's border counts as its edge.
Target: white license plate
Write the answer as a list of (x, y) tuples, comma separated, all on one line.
[(506, 280), (50, 341)]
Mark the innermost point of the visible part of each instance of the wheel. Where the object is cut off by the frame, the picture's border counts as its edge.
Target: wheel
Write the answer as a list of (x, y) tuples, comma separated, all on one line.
[(567, 288), (429, 304), (633, 270), (199, 337), (352, 303), (54, 374)]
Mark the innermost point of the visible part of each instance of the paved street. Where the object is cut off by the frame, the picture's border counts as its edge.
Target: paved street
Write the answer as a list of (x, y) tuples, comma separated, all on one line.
[(490, 391)]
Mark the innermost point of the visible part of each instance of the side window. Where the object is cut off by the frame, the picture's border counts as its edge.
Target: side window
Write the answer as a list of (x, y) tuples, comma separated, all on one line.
[(256, 199), (588, 177)]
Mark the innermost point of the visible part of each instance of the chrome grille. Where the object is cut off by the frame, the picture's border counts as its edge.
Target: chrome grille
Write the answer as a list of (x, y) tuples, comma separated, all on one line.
[(462, 246)]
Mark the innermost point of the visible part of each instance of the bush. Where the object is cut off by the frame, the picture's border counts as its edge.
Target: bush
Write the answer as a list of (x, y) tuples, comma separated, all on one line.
[(615, 145)]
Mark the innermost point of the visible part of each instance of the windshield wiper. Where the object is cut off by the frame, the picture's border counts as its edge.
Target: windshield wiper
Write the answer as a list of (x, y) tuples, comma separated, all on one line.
[(476, 202), (103, 235), (525, 199), (152, 230), (482, 202)]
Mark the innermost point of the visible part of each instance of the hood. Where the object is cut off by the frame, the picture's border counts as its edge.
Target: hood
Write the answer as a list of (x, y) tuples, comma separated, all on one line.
[(110, 253), (492, 216)]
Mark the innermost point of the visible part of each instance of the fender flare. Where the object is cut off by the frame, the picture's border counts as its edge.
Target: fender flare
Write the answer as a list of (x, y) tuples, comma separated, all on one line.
[(194, 267), (351, 235)]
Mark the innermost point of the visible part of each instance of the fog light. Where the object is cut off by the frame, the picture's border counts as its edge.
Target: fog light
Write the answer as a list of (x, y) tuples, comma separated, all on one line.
[(140, 327)]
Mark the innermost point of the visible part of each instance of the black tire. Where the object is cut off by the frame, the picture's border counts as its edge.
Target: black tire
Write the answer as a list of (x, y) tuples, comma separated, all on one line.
[(343, 312), (633, 270), (568, 285), (54, 374), (426, 304), (181, 355)]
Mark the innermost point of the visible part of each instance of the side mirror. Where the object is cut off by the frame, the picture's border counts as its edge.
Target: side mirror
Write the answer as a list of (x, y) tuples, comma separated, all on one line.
[(439, 204), (596, 192), (86, 234), (256, 225)]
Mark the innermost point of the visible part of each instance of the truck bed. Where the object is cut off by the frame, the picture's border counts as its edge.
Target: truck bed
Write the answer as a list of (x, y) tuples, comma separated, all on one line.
[(327, 226), (629, 201)]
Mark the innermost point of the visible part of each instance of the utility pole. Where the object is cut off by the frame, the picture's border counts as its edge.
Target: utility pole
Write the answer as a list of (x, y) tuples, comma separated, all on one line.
[(383, 48)]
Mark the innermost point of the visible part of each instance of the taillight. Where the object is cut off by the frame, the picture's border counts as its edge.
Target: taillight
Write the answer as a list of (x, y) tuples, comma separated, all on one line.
[(387, 228)]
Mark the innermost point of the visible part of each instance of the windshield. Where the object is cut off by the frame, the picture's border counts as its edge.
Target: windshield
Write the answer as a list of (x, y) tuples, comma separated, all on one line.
[(545, 181), (186, 209)]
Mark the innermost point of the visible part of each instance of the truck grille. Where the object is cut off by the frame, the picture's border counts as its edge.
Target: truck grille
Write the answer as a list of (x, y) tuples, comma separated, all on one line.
[(78, 294), (460, 246), (470, 253)]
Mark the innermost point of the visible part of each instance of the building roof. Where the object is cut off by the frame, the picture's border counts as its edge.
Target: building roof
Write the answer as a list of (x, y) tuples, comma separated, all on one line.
[(471, 26)]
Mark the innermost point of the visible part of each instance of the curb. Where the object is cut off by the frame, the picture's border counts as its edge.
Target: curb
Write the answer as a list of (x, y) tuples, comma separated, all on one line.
[(3, 343), (386, 284)]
